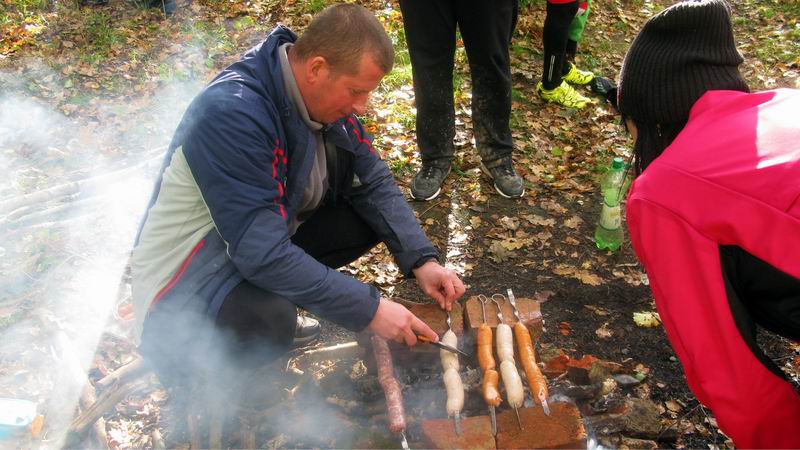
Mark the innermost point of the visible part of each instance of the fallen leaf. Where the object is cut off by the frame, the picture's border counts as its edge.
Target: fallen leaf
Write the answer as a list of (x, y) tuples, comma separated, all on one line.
[(539, 220), (583, 276), (604, 332), (574, 222), (673, 406), (499, 253), (648, 319), (509, 223), (597, 310)]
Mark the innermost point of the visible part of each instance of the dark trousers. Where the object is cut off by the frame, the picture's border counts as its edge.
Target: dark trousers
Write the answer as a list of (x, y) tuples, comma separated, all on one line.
[(556, 42), (486, 28), (254, 326)]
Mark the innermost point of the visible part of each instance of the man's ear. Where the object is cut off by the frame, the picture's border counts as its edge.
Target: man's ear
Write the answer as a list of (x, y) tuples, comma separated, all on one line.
[(316, 69)]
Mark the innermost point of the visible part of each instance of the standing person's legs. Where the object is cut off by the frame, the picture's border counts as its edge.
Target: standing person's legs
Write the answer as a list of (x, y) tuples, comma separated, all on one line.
[(575, 34), (430, 28), (556, 28), (487, 28), (552, 88)]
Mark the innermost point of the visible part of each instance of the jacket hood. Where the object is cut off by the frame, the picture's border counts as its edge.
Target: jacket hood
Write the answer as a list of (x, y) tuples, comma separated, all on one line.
[(260, 68)]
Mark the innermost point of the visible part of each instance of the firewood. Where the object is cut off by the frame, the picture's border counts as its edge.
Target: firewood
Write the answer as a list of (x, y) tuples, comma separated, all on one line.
[(158, 440), (123, 373), (104, 403)]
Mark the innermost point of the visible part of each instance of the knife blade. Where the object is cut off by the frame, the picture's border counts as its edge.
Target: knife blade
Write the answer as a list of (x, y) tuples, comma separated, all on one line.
[(426, 340)]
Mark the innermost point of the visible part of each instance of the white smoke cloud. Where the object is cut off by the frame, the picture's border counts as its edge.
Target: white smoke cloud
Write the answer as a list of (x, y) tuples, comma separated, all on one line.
[(71, 199)]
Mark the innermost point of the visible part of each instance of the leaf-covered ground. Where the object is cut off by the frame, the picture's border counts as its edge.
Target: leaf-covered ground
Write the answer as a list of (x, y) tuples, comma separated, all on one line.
[(90, 95)]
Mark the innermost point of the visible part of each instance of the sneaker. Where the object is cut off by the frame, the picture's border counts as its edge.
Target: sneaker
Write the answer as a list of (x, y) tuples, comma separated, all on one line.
[(306, 331), (564, 95), (427, 183), (577, 76), (506, 180)]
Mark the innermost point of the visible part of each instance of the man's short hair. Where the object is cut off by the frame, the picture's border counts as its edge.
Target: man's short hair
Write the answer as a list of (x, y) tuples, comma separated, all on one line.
[(341, 34)]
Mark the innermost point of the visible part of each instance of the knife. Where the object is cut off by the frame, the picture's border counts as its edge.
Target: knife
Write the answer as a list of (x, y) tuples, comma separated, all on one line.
[(427, 340)]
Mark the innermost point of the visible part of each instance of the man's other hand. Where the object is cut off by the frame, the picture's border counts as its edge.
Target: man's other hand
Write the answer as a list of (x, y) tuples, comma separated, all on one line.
[(440, 284), (394, 321)]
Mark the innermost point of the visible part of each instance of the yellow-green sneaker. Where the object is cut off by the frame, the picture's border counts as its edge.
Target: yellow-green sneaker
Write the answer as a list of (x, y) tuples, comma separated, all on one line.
[(564, 95), (577, 76)]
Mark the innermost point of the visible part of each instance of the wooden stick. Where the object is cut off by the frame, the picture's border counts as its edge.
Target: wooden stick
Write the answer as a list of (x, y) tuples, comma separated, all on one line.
[(248, 433), (158, 440), (123, 373), (105, 402), (192, 422), (89, 398), (215, 428)]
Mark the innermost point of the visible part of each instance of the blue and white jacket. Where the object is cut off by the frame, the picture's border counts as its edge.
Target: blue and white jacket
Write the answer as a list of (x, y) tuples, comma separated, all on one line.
[(232, 180)]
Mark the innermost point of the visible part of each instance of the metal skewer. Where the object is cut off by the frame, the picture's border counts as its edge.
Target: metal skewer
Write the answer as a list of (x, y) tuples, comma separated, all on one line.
[(513, 302), (499, 308), (403, 440), (483, 299), (457, 419), (540, 395)]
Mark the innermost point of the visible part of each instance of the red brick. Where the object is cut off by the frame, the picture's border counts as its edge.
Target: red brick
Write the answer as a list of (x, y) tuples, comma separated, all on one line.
[(563, 428), (476, 432), (529, 312)]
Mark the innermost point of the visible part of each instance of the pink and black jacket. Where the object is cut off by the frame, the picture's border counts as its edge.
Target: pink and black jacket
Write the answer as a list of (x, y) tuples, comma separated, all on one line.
[(715, 220)]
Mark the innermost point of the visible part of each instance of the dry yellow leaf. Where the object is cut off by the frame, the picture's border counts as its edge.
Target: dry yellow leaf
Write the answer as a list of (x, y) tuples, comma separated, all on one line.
[(647, 319)]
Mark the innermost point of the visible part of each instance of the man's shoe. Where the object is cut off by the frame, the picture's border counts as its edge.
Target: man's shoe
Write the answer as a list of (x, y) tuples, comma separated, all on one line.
[(577, 76), (564, 95), (306, 331), (427, 183), (506, 180)]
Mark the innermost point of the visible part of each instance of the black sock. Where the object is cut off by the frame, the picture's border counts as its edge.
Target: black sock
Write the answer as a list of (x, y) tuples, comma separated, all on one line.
[(556, 29)]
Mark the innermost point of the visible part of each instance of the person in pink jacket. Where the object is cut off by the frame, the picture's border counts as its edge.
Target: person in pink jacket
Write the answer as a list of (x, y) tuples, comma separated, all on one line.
[(714, 215)]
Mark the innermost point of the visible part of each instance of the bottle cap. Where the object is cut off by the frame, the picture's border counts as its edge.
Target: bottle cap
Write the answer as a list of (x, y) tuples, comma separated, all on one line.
[(617, 163)]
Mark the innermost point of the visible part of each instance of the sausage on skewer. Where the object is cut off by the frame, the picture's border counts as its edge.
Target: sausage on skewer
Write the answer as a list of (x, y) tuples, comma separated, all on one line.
[(485, 356), (452, 380), (536, 381), (513, 384), (391, 388), (449, 359)]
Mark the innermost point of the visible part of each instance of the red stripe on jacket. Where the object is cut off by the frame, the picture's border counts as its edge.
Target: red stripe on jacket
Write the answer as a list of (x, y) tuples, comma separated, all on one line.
[(358, 135), (175, 278), (280, 157)]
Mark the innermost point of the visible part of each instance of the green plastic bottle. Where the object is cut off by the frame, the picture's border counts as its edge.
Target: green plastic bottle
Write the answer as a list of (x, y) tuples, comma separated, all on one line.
[(608, 234)]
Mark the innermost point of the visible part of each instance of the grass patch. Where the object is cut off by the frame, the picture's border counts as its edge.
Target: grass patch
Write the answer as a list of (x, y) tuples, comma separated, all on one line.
[(212, 38)]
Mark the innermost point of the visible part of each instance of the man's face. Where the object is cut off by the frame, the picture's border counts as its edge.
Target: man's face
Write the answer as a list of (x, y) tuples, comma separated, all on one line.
[(332, 97)]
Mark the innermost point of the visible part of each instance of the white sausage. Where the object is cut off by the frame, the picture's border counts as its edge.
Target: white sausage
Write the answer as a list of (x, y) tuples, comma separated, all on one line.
[(449, 359), (512, 383), (505, 343), (455, 391)]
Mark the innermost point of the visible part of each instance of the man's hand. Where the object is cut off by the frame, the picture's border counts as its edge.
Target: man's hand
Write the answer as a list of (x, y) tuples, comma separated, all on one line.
[(440, 284), (393, 321)]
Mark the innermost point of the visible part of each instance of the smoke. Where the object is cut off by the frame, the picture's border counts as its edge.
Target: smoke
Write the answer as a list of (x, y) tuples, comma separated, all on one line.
[(71, 198)]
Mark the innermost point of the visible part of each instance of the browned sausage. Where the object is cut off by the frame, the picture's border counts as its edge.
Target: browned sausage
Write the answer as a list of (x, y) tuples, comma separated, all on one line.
[(485, 356), (527, 358), (391, 388), (491, 383)]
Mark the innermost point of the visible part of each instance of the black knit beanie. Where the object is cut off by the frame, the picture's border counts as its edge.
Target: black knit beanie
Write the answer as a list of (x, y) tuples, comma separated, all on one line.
[(679, 54)]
